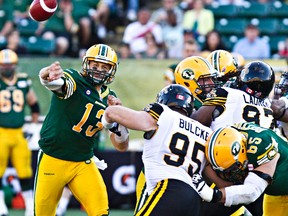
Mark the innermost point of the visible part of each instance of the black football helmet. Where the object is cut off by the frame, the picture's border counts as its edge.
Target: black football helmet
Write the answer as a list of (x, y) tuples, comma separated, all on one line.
[(281, 88), (257, 78), (176, 96)]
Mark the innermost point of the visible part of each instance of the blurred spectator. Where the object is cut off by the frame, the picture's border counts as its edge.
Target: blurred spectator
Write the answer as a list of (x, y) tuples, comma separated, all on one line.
[(227, 2), (198, 20), (60, 27), (173, 36), (124, 51), (131, 8), (191, 48), (14, 43), (252, 46), (153, 50), (185, 5), (91, 17), (188, 35), (283, 49), (213, 41), (100, 17), (135, 32), (6, 18), (160, 15), (20, 10)]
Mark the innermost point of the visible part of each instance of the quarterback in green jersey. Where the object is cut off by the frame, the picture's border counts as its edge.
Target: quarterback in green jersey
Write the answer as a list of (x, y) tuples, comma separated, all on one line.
[(15, 93), (68, 132), (256, 159)]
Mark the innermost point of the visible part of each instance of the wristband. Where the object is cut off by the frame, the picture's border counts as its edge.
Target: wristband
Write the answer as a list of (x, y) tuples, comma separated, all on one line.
[(105, 123), (217, 195)]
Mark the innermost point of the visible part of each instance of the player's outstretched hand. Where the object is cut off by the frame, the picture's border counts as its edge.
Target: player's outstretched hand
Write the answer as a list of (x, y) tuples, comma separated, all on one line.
[(52, 72), (112, 101)]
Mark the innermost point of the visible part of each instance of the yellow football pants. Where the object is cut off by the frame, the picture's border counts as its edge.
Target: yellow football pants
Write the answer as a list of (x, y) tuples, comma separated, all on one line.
[(275, 205), (83, 179), (13, 145)]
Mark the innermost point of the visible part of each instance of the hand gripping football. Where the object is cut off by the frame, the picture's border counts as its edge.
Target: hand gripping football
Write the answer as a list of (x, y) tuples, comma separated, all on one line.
[(41, 10)]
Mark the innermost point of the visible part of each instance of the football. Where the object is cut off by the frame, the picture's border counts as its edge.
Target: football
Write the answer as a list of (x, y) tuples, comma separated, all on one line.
[(41, 10)]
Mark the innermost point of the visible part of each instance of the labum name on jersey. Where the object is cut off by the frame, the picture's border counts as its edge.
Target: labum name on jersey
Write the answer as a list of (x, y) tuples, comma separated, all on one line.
[(254, 100), (200, 132)]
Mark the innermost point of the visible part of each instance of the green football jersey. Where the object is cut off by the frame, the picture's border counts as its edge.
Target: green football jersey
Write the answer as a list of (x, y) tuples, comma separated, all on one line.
[(74, 119), (13, 101), (262, 146)]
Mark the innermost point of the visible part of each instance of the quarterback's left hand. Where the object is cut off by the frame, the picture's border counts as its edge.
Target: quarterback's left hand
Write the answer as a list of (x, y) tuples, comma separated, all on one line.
[(112, 101)]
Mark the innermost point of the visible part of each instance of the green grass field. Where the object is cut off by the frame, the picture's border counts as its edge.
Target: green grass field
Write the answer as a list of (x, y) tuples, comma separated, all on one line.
[(78, 212)]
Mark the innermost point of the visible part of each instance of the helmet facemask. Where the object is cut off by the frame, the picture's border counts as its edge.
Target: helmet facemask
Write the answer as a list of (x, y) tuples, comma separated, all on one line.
[(8, 63), (206, 84), (98, 77), (236, 173), (7, 70), (99, 53)]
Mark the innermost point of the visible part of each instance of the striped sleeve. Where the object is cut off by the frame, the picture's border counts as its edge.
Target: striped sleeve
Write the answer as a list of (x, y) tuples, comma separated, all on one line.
[(70, 86), (154, 110), (219, 99)]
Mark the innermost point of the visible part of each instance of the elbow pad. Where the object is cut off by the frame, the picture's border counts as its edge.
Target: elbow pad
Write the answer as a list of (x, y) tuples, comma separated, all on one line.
[(246, 193)]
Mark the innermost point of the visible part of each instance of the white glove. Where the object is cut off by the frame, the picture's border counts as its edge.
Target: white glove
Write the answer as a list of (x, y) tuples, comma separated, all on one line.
[(101, 164), (205, 192)]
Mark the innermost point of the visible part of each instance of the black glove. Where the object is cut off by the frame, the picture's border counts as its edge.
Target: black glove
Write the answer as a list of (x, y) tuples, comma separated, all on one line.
[(115, 129)]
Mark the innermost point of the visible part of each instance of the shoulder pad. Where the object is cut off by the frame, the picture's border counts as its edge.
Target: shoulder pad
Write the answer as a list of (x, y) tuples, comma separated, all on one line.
[(219, 98), (154, 110)]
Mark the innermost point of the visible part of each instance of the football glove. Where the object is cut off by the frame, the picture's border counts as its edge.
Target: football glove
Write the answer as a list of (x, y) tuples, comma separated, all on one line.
[(205, 192)]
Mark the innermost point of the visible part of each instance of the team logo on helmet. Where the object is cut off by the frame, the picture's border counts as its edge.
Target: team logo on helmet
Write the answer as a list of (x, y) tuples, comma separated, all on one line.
[(188, 74), (235, 148)]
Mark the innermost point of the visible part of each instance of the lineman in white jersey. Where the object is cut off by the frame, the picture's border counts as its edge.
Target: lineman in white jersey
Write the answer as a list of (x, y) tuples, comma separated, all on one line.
[(249, 103), (173, 150), (239, 106)]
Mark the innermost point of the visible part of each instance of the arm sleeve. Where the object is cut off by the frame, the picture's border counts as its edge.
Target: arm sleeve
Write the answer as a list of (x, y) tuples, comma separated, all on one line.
[(246, 193)]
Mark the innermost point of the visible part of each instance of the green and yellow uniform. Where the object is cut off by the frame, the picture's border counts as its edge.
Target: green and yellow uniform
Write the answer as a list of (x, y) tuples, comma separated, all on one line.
[(262, 146), (12, 141), (67, 141)]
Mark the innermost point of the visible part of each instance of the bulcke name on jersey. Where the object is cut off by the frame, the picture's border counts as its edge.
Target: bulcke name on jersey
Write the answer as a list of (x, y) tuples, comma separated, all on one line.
[(194, 129)]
